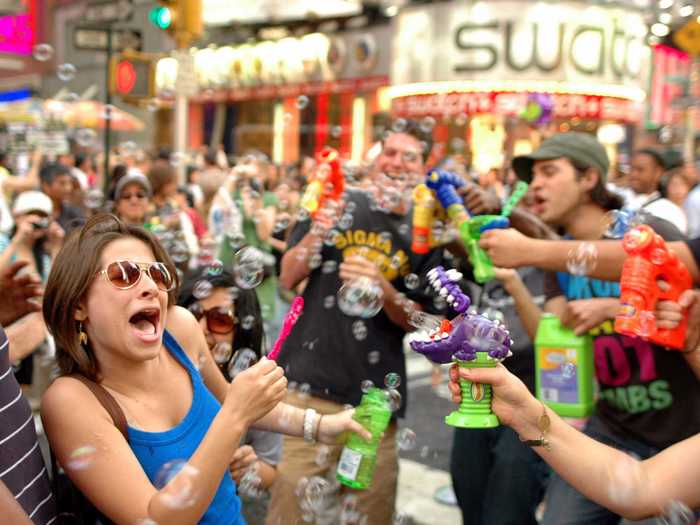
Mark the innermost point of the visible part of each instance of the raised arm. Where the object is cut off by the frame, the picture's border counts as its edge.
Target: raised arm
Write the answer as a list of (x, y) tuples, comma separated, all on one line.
[(607, 476), (511, 249)]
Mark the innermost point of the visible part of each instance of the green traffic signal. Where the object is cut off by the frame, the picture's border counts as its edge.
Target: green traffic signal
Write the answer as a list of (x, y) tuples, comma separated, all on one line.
[(161, 17)]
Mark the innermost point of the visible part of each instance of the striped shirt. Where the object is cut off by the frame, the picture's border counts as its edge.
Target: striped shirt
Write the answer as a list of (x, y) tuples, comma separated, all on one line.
[(22, 467)]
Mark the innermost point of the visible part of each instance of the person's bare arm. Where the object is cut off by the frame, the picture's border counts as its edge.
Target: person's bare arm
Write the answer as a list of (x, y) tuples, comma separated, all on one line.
[(511, 249), (28, 182), (528, 311), (11, 511), (25, 335), (609, 477)]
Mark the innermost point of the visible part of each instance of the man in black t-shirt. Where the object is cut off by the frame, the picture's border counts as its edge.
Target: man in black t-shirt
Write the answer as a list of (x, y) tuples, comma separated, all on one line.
[(333, 353)]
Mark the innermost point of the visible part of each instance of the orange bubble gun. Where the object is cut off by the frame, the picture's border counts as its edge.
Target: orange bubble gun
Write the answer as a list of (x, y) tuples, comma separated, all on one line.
[(650, 261), (327, 181), (423, 209)]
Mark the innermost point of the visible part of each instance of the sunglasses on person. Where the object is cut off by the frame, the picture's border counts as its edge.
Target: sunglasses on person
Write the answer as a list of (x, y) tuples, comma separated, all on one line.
[(128, 196), (127, 274), (219, 319)]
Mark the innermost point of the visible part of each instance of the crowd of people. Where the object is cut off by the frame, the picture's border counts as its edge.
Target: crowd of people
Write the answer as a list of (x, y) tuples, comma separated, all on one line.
[(183, 418)]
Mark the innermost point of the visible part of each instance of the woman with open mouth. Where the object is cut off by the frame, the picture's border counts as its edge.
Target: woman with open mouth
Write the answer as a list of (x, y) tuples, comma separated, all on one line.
[(141, 419)]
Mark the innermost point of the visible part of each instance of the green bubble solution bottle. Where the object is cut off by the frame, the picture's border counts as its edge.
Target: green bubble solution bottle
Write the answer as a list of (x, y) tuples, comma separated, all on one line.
[(563, 369), (359, 457)]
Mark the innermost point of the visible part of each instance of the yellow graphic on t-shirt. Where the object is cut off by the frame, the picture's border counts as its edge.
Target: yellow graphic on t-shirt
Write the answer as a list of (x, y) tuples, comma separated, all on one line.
[(377, 248)]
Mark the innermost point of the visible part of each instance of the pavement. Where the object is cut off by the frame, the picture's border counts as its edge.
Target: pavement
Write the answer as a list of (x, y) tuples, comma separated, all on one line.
[(424, 466)]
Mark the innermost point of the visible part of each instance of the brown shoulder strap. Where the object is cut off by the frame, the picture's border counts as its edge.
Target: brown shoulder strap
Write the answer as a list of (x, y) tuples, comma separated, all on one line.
[(108, 402)]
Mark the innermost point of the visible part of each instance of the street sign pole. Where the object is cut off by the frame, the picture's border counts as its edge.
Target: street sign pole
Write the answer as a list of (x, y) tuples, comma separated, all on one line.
[(108, 115)]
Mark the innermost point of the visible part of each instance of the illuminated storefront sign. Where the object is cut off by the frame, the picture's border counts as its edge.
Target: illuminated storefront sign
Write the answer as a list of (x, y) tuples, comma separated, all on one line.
[(565, 106), (520, 40), (17, 34)]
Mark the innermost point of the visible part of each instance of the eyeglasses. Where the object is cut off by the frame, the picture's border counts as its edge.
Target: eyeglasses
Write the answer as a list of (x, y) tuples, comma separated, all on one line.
[(219, 319), (128, 196), (127, 274)]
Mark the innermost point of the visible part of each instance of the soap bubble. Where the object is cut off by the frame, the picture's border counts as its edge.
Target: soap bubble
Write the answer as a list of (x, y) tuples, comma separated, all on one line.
[(394, 398), (582, 260), (400, 518), (427, 124), (677, 513), (367, 385), (373, 357), (568, 370), (94, 199), (177, 158), (85, 137), (177, 483), (424, 321), (399, 125), (392, 380), (305, 390), (243, 360), (66, 72), (248, 322), (406, 439), (81, 458), (107, 111), (221, 352), (411, 281), (202, 290), (179, 252), (248, 267), (359, 330), (215, 268), (315, 493), (345, 221), (153, 105), (42, 52), (647, 324), (329, 301), (235, 240), (329, 267), (315, 261), (302, 101), (251, 484), (336, 131), (361, 297), (323, 456), (424, 451)]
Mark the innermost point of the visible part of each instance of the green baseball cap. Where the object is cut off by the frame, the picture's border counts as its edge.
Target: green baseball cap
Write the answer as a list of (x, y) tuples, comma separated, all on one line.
[(580, 148)]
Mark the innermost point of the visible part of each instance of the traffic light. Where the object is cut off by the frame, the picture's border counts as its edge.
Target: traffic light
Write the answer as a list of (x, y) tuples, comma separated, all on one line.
[(133, 76), (181, 18), (161, 17)]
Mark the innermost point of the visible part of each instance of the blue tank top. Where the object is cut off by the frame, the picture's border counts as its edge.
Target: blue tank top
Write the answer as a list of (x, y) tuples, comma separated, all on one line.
[(154, 449)]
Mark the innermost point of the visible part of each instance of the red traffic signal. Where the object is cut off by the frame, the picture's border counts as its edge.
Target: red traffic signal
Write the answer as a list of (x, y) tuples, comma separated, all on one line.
[(132, 75)]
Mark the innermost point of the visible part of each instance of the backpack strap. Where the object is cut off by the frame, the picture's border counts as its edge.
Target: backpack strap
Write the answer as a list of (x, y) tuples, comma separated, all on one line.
[(108, 402)]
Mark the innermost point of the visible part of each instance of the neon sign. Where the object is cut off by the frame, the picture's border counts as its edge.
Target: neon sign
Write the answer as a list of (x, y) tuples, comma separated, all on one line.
[(17, 34)]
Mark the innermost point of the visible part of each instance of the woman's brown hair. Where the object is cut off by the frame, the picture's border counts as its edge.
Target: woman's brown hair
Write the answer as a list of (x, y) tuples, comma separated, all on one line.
[(72, 274)]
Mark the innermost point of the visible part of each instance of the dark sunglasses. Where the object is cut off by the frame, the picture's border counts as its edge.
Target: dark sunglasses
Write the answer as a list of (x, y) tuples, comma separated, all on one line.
[(126, 274), (128, 196), (219, 319)]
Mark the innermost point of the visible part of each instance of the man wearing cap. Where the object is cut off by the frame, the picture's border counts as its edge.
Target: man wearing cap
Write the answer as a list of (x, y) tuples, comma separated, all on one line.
[(649, 397), (131, 198)]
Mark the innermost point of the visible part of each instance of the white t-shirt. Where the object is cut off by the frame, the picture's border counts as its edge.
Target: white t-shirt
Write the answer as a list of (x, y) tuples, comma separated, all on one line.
[(662, 208), (6, 221)]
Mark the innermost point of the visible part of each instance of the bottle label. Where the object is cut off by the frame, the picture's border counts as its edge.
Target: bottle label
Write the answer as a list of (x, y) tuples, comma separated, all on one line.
[(558, 369), (349, 463)]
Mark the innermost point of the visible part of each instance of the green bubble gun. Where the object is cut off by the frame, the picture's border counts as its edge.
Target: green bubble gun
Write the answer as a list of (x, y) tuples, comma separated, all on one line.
[(471, 231)]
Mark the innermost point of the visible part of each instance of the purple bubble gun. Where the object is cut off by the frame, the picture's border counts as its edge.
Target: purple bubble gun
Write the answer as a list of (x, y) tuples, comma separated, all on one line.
[(470, 340)]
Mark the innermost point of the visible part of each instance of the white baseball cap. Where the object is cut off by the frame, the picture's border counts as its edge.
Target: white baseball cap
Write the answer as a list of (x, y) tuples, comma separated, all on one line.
[(32, 201)]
